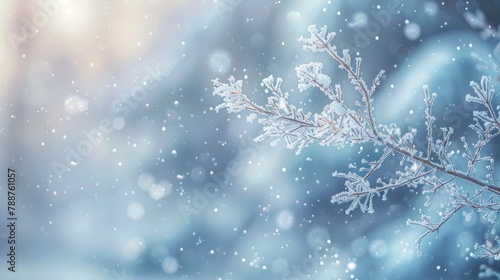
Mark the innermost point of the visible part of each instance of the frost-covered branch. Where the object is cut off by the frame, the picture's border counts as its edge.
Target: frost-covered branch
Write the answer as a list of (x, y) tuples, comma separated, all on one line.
[(435, 170), (488, 250)]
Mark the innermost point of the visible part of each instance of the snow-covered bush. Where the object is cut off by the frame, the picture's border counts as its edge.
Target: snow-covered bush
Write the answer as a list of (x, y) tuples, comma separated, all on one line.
[(463, 181)]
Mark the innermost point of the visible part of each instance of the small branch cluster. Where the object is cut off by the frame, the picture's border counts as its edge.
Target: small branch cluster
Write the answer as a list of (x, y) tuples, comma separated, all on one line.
[(435, 170)]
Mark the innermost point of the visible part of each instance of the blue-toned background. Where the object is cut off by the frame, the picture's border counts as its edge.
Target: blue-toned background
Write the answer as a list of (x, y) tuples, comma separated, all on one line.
[(125, 171)]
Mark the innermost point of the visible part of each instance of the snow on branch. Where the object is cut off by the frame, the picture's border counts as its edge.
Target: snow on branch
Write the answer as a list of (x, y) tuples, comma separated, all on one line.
[(437, 170)]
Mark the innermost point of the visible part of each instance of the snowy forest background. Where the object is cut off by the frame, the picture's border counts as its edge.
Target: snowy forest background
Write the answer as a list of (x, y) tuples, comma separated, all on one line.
[(169, 189)]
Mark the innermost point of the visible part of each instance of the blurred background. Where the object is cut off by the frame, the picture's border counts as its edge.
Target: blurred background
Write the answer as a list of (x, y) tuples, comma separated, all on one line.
[(125, 171)]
